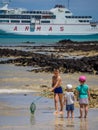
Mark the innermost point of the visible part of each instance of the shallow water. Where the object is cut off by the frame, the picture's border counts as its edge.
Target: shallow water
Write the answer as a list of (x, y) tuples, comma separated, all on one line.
[(15, 115)]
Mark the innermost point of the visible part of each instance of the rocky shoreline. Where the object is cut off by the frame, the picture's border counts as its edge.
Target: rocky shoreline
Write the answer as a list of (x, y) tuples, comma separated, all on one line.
[(66, 55)]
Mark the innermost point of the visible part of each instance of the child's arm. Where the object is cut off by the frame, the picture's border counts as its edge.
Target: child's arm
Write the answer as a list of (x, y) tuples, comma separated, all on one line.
[(88, 94), (65, 99), (76, 94)]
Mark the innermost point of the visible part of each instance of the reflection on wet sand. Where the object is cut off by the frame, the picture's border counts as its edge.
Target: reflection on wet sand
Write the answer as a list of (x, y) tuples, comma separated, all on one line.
[(59, 123), (32, 119), (70, 123), (83, 124), (62, 123)]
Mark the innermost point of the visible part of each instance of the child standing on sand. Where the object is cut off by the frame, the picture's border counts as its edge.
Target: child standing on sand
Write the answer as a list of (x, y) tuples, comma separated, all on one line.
[(58, 92), (69, 101), (83, 96)]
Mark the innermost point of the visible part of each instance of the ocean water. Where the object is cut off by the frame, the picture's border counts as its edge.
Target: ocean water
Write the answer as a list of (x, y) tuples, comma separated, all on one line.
[(17, 40)]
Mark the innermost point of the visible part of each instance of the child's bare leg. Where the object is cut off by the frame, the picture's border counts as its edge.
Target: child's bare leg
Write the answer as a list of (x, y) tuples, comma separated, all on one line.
[(81, 110), (72, 114), (61, 102), (86, 110), (56, 103), (68, 112)]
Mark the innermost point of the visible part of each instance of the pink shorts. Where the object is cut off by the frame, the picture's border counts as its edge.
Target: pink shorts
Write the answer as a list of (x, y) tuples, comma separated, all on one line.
[(83, 100)]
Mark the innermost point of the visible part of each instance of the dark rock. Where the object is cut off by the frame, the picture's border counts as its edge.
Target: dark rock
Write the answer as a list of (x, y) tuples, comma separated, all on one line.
[(49, 62)]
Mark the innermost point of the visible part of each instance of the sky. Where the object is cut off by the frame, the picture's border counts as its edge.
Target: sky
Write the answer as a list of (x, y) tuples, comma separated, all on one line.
[(77, 7)]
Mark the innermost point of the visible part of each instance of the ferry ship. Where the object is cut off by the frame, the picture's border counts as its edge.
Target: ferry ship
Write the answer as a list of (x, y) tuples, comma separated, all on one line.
[(56, 21)]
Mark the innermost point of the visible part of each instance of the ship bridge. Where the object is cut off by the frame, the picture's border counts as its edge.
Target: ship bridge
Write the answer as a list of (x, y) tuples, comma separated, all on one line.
[(61, 12)]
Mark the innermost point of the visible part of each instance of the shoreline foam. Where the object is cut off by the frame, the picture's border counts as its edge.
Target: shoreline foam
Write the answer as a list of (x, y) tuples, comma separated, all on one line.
[(15, 91)]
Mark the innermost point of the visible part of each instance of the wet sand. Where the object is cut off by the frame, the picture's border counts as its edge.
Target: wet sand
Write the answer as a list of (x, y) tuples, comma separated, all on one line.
[(17, 92), (14, 77), (15, 115)]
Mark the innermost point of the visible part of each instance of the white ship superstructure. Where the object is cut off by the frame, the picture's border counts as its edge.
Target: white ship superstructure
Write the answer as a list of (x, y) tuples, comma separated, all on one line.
[(57, 21)]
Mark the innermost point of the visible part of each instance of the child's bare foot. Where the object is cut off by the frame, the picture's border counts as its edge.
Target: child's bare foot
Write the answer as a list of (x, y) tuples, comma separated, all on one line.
[(61, 112), (85, 116), (55, 113), (67, 117), (80, 117)]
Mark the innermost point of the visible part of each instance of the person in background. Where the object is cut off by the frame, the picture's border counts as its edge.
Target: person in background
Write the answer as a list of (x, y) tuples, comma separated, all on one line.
[(83, 96), (69, 101), (58, 92)]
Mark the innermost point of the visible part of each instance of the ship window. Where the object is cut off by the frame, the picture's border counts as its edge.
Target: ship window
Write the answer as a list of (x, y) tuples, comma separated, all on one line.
[(80, 21), (37, 12), (2, 11), (45, 21), (83, 17), (93, 24), (67, 12), (4, 21), (25, 21), (19, 16), (37, 16), (34, 12), (25, 17), (68, 16), (15, 21), (4, 16), (16, 16), (54, 16), (84, 21), (49, 17)]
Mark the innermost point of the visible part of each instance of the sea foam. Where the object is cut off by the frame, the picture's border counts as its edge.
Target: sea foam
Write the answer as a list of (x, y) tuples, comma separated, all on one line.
[(2, 91)]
